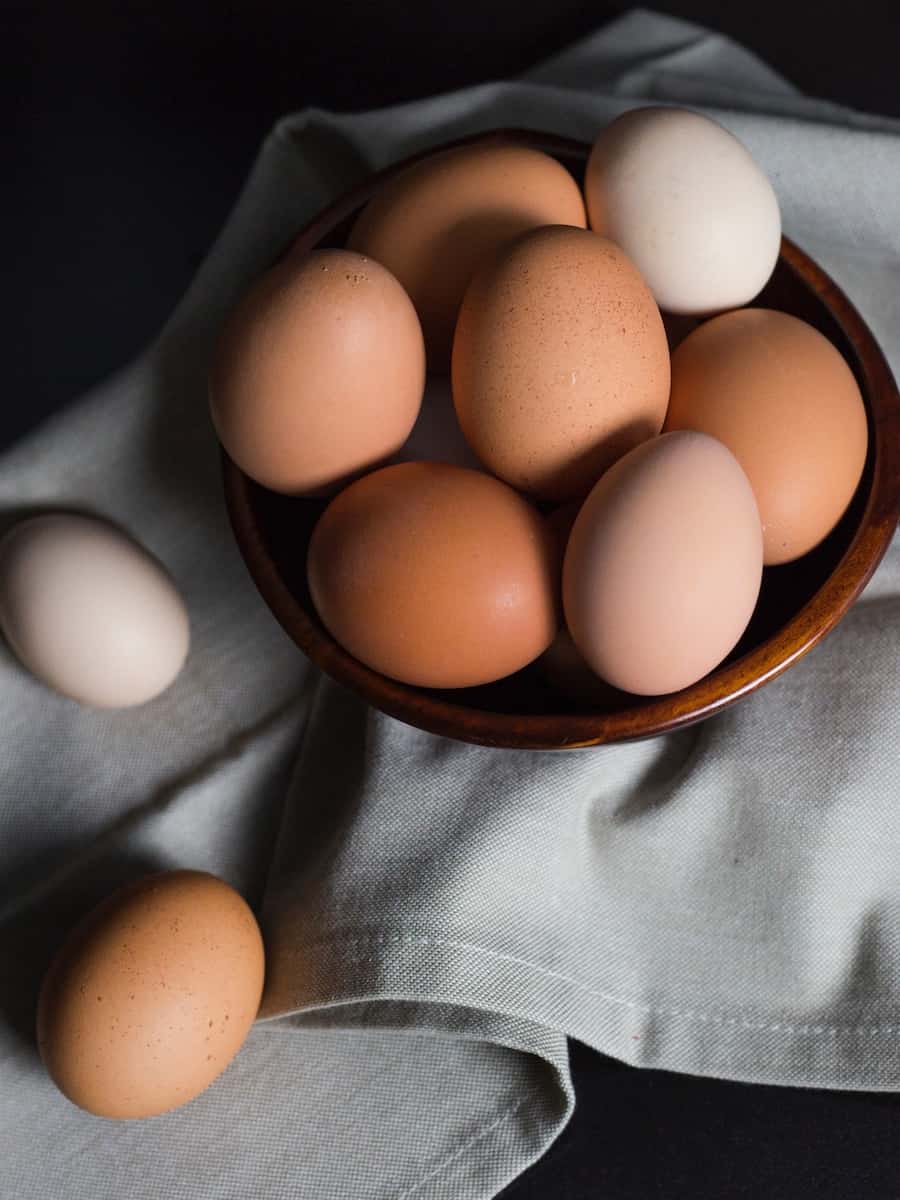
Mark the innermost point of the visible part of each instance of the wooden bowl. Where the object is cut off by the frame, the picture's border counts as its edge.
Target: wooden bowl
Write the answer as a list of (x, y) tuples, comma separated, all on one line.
[(799, 603)]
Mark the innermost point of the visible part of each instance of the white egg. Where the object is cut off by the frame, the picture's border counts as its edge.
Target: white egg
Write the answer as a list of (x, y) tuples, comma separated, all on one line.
[(687, 203), (89, 612)]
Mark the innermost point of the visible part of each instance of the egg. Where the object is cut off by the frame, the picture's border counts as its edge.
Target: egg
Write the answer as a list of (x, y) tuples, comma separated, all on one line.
[(435, 575), (787, 405), (319, 373), (438, 220), (688, 204), (560, 362), (663, 564), (90, 612), (152, 995)]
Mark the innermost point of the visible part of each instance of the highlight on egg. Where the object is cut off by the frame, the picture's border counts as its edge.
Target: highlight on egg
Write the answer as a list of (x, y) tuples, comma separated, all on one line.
[(152, 995)]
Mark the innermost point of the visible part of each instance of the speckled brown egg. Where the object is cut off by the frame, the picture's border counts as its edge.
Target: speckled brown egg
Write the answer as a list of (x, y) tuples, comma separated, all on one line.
[(152, 995), (437, 221), (783, 400), (560, 362), (319, 373), (435, 575)]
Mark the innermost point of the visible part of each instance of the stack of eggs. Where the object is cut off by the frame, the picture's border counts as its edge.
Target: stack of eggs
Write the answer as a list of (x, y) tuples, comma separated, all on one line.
[(606, 502)]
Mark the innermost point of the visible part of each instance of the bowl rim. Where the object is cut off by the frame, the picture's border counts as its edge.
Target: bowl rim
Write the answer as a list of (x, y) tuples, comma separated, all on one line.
[(719, 689)]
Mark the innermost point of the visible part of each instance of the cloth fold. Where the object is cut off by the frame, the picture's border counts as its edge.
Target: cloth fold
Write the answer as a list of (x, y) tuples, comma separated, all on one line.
[(440, 917)]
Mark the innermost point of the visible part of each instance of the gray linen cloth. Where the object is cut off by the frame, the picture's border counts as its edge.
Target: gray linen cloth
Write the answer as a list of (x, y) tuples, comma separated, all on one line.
[(721, 901)]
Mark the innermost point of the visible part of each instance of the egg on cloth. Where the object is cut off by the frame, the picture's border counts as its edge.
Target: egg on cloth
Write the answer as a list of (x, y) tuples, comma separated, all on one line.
[(319, 373), (152, 995), (787, 405), (663, 565), (435, 575), (688, 204), (90, 612), (441, 218), (560, 362)]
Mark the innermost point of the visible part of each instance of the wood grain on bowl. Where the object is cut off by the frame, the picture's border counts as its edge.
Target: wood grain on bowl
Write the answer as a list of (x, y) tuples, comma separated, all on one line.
[(799, 603)]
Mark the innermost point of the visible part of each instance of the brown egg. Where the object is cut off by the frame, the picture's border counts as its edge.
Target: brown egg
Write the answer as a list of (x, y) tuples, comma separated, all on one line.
[(152, 995), (319, 373), (784, 401), (435, 575), (663, 565), (560, 363), (440, 219)]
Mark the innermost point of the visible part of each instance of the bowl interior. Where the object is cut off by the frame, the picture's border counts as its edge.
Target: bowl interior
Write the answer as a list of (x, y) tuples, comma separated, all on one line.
[(523, 710)]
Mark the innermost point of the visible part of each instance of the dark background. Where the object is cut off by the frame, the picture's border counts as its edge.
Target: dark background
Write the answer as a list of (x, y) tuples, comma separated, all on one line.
[(132, 123), (130, 127)]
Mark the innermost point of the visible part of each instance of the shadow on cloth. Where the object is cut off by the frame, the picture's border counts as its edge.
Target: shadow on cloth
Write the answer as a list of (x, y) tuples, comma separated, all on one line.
[(29, 942)]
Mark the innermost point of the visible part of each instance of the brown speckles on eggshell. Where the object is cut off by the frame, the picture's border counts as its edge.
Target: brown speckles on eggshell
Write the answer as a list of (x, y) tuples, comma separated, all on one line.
[(193, 948), (554, 381)]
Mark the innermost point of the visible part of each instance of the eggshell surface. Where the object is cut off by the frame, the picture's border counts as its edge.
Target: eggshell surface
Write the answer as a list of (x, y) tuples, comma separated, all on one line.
[(688, 204), (560, 362), (89, 611), (663, 565), (319, 373), (435, 575), (440, 219), (787, 405), (152, 995)]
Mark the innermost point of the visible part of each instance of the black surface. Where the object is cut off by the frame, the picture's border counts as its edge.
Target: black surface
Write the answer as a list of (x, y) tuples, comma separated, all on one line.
[(651, 1135), (129, 127)]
